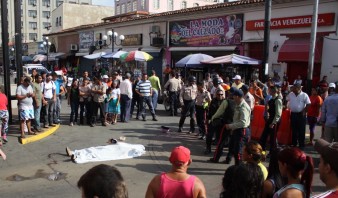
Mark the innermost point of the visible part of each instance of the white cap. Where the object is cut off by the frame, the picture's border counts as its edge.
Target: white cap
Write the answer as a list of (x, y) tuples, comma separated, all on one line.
[(332, 85), (237, 77), (105, 76)]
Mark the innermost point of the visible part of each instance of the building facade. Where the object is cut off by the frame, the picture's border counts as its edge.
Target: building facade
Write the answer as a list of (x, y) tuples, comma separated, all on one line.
[(157, 6)]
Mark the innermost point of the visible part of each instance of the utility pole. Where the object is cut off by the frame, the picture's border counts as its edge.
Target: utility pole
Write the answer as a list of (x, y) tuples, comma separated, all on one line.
[(18, 39), (267, 21), (5, 54), (312, 47)]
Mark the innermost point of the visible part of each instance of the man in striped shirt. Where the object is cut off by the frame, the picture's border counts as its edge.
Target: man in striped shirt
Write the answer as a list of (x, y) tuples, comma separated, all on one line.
[(144, 89)]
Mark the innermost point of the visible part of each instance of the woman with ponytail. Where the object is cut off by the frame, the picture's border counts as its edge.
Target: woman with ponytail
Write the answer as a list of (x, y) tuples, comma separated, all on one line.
[(298, 168), (253, 153)]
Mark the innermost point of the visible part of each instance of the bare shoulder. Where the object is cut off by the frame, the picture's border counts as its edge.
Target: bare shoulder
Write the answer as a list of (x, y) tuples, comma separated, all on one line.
[(199, 189), (267, 189), (153, 187), (292, 192)]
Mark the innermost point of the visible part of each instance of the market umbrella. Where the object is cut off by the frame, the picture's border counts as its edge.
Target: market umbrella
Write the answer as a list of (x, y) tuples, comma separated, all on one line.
[(136, 56), (115, 55), (193, 60), (95, 55), (234, 59)]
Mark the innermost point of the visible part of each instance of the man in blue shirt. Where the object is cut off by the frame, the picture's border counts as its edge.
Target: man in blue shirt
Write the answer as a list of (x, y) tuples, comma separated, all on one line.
[(329, 117), (59, 91)]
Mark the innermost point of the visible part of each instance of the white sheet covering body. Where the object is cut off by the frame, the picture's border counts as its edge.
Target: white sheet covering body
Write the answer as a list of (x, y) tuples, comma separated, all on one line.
[(117, 151)]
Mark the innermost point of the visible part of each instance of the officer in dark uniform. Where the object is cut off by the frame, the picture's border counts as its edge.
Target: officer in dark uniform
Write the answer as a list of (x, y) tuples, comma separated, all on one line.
[(187, 99)]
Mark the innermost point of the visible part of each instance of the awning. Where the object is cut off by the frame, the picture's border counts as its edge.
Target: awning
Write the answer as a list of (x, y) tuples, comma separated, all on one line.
[(218, 48), (252, 41), (297, 50), (105, 50)]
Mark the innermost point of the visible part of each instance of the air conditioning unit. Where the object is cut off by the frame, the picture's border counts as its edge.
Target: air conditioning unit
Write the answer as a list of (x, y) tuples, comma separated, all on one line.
[(34, 16), (34, 4), (47, 5), (73, 47), (158, 41), (154, 29), (100, 42), (34, 28), (47, 17)]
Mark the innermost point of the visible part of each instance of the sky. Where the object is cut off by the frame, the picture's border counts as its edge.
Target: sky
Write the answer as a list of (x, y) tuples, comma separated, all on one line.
[(103, 2)]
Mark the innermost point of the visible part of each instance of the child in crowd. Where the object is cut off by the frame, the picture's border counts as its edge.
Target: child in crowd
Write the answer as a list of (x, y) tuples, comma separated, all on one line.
[(114, 103), (253, 153), (298, 168), (3, 115)]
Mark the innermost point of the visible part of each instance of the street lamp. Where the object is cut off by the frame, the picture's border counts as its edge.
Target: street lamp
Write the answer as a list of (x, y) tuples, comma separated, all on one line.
[(45, 44), (112, 37)]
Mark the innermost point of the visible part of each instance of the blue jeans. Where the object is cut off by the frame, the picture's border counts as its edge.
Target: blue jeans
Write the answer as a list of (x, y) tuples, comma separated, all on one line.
[(57, 109), (36, 122), (154, 98), (146, 100)]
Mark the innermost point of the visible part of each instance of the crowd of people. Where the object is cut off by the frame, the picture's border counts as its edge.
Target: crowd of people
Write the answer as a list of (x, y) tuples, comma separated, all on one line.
[(222, 110)]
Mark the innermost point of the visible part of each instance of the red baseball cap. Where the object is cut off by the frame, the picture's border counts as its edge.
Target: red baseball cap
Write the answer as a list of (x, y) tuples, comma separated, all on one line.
[(179, 155)]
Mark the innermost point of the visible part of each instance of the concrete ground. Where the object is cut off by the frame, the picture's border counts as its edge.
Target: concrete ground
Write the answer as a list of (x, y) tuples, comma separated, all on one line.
[(25, 173)]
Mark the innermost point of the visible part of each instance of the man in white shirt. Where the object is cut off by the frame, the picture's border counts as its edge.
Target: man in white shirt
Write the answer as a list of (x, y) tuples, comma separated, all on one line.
[(49, 98), (126, 96), (299, 102)]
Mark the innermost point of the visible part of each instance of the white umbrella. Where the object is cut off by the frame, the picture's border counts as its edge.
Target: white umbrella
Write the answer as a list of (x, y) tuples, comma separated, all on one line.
[(115, 55), (40, 57), (234, 59), (96, 55), (193, 60)]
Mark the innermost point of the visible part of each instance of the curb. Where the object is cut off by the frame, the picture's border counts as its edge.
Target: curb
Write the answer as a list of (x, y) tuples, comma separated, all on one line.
[(39, 136)]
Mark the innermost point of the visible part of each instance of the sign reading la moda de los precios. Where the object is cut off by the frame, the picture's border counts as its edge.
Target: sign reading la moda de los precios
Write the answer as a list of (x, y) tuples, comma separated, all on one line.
[(216, 31), (326, 19)]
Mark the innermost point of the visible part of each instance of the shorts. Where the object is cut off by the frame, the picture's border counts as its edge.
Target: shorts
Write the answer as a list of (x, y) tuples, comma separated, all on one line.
[(26, 114)]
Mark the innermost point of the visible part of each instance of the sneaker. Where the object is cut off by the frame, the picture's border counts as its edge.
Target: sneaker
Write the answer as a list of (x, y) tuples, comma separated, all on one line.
[(154, 119), (71, 124), (92, 125), (45, 126), (202, 137), (179, 130)]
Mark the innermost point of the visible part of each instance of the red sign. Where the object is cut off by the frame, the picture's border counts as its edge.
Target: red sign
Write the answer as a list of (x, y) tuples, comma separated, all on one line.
[(326, 19)]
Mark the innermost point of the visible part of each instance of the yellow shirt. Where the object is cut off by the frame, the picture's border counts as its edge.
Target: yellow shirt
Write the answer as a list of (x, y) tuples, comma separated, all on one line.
[(264, 170)]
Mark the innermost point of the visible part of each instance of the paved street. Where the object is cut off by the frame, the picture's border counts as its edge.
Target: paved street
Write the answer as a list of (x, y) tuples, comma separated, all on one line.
[(25, 172)]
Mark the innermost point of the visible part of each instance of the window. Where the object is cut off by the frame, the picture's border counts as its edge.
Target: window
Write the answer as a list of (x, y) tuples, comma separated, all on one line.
[(171, 5), (21, 12), (21, 24), (183, 5), (196, 5), (46, 14), (118, 10), (32, 2), (32, 13), (123, 8), (33, 36), (60, 21), (129, 7), (134, 5), (32, 25), (46, 25), (143, 4), (57, 22), (156, 4), (46, 3)]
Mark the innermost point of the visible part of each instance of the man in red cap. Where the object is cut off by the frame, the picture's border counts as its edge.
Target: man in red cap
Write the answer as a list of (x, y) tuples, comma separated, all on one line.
[(328, 167), (177, 183)]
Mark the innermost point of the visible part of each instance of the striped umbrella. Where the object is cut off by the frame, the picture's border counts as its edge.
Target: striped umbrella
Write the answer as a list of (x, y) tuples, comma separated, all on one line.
[(136, 56)]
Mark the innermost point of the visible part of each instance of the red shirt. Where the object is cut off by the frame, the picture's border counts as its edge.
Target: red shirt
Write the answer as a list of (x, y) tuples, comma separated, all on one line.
[(173, 189), (3, 102), (316, 103)]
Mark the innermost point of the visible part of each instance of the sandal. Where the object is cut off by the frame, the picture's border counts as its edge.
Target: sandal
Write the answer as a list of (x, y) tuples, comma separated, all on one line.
[(22, 137), (32, 133)]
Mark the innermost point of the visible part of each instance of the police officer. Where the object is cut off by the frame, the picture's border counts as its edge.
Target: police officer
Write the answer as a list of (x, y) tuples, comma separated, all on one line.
[(240, 132), (187, 99), (203, 100), (225, 113), (173, 85)]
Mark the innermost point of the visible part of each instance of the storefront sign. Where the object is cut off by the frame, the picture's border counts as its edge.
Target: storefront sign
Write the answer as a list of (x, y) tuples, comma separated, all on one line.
[(216, 31), (326, 19), (132, 39), (86, 39)]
